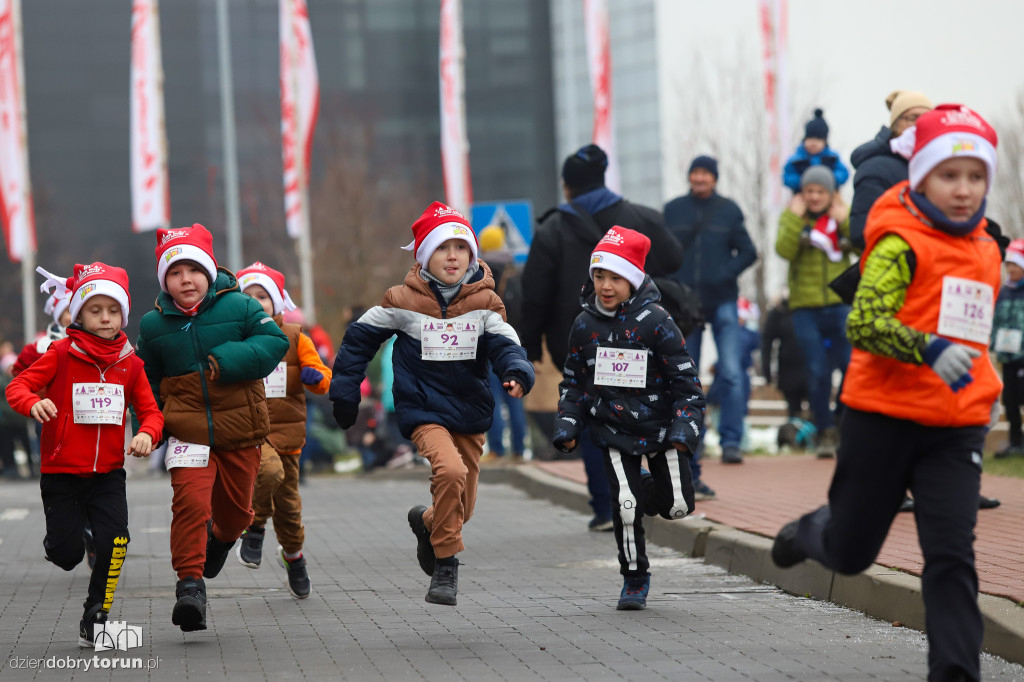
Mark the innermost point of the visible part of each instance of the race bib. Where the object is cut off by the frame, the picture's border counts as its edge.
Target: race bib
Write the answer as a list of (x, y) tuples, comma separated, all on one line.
[(448, 340), (275, 385), (966, 310), (1008, 340), (98, 403), (620, 367), (182, 454)]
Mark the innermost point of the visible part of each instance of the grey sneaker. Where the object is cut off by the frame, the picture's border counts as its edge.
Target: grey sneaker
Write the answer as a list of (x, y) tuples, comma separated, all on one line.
[(828, 442), (250, 549), (731, 455), (701, 491)]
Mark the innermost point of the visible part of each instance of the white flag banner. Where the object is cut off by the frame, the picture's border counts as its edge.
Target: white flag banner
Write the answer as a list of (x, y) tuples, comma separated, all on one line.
[(774, 39), (599, 64), (458, 187), (300, 106), (151, 203), (15, 186)]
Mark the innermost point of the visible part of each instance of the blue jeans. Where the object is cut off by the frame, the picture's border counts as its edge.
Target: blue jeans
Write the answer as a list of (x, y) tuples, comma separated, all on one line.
[(725, 327), (516, 420), (821, 333), (597, 477)]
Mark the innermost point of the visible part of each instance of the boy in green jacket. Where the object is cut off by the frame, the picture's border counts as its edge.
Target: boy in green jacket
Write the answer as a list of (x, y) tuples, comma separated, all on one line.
[(207, 347)]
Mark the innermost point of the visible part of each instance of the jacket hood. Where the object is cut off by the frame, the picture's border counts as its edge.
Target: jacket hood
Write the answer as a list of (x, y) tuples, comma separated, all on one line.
[(876, 147), (647, 293), (592, 202), (481, 279)]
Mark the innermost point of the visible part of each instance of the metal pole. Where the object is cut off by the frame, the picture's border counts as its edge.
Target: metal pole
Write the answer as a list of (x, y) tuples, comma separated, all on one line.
[(227, 123), (28, 298)]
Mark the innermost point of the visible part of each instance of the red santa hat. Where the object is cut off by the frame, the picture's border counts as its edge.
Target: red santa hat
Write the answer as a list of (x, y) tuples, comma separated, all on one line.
[(271, 280), (949, 131), (622, 251), (438, 224), (90, 280), (56, 304), (1015, 252), (184, 243)]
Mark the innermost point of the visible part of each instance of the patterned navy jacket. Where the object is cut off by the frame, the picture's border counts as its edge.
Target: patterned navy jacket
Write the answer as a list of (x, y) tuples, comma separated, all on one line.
[(669, 409)]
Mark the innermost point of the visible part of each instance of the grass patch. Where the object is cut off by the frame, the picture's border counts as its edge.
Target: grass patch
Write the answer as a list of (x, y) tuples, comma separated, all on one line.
[(1010, 466)]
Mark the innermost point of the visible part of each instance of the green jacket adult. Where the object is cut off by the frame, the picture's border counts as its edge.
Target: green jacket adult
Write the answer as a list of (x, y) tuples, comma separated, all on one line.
[(810, 269), (207, 370)]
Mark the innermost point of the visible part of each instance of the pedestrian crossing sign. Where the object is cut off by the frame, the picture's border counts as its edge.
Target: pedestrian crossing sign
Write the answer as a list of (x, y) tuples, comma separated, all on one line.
[(515, 217)]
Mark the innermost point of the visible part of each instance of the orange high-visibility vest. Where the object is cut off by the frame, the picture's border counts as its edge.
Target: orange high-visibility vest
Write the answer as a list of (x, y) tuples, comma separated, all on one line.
[(914, 392)]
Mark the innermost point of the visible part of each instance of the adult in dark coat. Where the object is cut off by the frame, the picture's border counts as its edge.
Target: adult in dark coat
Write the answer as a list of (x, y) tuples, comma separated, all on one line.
[(558, 267), (717, 250), (790, 375), (877, 166)]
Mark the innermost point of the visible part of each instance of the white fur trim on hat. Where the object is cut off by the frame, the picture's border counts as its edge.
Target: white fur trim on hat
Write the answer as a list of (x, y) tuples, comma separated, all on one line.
[(951, 145), (56, 305), (439, 235), (180, 251), (617, 264), (1015, 257), (99, 287), (281, 300)]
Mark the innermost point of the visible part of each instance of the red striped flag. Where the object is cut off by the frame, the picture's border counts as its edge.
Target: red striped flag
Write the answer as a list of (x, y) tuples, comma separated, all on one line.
[(16, 210), (599, 63), (458, 186), (300, 106), (151, 201)]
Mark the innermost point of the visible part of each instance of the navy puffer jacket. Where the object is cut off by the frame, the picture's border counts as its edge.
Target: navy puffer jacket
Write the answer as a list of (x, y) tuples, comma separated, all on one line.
[(634, 421)]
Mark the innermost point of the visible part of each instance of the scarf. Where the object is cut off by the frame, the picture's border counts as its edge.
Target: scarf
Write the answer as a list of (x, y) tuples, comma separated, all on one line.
[(448, 291), (104, 352), (937, 219)]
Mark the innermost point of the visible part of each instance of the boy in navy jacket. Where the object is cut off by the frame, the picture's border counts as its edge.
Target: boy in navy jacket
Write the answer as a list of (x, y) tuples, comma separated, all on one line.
[(451, 330), (629, 377)]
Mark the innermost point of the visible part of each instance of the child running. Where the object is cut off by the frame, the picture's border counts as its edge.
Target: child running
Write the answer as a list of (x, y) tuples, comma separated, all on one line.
[(920, 388), (207, 348), (451, 331), (628, 376), (90, 377), (276, 494)]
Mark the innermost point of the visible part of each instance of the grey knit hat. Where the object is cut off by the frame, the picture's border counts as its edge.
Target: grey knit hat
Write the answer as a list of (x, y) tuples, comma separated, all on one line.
[(819, 175)]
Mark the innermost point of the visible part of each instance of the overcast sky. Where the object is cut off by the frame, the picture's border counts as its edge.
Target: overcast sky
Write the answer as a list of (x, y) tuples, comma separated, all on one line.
[(847, 56)]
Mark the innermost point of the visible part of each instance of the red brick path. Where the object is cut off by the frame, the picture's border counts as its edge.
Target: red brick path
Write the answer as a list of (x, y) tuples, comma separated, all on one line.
[(763, 493)]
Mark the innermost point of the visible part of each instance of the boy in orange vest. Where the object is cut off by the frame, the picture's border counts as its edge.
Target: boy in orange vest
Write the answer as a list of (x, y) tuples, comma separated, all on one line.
[(919, 389), (90, 377), (276, 492)]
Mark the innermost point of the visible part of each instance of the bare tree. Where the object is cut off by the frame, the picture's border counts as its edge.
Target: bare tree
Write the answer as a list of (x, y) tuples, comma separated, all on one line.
[(1008, 189)]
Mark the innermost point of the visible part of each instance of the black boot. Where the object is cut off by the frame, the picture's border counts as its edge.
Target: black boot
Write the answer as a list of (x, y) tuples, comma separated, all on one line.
[(444, 584), (424, 550), (216, 553), (190, 610)]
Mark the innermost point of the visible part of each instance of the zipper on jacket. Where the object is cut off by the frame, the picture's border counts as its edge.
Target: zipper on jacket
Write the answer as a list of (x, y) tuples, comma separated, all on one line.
[(96, 457), (202, 381)]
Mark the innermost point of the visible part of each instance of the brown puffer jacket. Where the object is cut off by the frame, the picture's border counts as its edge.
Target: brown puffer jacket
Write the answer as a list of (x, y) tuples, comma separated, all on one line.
[(237, 410)]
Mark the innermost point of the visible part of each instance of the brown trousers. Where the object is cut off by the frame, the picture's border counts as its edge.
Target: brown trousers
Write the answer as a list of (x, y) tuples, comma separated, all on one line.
[(455, 471), (276, 496), (221, 491)]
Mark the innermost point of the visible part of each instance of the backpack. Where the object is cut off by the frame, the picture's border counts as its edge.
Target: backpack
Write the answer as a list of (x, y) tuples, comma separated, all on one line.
[(682, 303)]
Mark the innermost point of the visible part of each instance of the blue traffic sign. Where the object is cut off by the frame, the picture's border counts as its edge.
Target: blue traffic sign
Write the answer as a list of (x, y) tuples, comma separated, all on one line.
[(514, 216)]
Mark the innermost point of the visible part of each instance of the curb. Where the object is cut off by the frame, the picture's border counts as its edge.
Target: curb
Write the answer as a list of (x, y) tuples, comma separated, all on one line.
[(880, 592)]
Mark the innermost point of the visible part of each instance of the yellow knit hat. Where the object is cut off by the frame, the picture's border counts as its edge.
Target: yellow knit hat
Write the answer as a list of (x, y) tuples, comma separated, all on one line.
[(492, 238)]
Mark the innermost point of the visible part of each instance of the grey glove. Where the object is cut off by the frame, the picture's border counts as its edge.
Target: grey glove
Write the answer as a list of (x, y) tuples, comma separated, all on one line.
[(951, 361)]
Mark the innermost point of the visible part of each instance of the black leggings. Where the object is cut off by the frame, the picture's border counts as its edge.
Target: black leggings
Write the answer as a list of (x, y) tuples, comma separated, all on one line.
[(68, 502), (667, 490)]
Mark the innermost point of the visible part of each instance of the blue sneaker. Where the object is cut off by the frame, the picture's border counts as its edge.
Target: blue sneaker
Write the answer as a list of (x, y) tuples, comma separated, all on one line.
[(634, 592)]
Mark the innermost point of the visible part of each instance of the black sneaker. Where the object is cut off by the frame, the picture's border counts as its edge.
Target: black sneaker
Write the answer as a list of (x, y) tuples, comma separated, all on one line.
[(634, 592), (784, 550), (907, 505), (94, 615), (444, 583), (190, 610), (600, 524), (731, 455), (701, 491), (250, 549), (298, 578), (424, 550), (1009, 451), (988, 502), (90, 545), (216, 553)]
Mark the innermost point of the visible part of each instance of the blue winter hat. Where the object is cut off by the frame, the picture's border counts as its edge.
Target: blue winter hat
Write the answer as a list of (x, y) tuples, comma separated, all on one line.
[(705, 162), (816, 127)]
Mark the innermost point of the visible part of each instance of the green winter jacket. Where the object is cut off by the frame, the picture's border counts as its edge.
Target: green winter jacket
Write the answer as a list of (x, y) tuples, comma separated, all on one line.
[(207, 371), (810, 270)]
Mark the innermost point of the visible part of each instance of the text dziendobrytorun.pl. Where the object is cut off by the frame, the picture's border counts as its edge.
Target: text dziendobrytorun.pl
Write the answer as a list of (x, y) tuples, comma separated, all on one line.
[(86, 664)]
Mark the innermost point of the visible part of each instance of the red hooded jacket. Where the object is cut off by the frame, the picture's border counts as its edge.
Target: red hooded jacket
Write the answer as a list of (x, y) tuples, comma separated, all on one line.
[(70, 448)]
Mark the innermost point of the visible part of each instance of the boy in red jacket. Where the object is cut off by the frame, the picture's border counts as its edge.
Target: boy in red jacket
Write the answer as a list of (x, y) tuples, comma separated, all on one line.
[(90, 378)]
